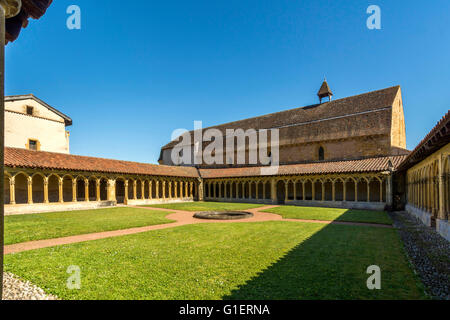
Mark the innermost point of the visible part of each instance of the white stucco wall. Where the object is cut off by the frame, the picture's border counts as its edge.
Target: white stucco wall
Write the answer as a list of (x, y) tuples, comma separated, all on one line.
[(45, 126)]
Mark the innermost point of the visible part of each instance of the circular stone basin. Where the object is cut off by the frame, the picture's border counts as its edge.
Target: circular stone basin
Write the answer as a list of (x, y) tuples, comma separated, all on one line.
[(223, 215)]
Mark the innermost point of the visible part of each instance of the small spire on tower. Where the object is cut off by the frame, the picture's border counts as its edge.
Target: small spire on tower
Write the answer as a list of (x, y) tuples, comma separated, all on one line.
[(325, 91)]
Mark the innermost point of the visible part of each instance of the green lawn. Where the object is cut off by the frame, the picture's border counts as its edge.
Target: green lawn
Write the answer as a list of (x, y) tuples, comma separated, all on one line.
[(332, 214), (22, 228), (267, 260), (206, 206)]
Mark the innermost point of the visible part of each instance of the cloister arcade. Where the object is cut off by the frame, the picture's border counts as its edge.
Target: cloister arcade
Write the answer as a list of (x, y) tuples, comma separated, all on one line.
[(356, 190), (428, 185), (31, 187)]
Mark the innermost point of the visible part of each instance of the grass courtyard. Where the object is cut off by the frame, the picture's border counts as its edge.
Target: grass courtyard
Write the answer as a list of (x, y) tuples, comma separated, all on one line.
[(331, 214), (267, 260), (260, 260), (30, 227)]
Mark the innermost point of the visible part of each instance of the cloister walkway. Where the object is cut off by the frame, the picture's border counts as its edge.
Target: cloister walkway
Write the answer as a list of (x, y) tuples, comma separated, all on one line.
[(180, 217)]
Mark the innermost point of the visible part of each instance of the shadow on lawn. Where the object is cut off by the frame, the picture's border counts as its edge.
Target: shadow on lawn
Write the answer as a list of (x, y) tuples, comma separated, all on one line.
[(332, 264)]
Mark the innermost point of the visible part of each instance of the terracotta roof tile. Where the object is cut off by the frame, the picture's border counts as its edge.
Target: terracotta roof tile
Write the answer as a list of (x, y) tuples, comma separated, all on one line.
[(23, 158), (352, 166)]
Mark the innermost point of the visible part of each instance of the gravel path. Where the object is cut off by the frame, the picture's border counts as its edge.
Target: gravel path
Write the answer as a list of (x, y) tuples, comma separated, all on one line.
[(15, 289), (428, 252)]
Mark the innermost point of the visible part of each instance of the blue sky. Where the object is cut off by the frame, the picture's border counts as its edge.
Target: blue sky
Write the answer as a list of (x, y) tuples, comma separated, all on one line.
[(138, 70)]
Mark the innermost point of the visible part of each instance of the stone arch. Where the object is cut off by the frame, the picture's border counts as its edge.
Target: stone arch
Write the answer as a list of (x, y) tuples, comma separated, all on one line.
[(375, 193), (67, 188), (281, 191), (139, 189), (53, 188), (308, 185), (81, 188), (339, 189), (350, 189), (21, 187), (318, 189), (38, 188), (120, 190), (362, 190), (103, 189)]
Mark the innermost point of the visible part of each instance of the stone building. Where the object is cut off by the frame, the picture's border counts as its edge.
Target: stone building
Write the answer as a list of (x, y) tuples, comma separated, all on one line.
[(32, 124)]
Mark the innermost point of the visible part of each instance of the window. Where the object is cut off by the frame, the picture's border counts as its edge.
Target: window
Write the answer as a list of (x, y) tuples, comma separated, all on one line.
[(321, 154), (30, 111), (33, 145)]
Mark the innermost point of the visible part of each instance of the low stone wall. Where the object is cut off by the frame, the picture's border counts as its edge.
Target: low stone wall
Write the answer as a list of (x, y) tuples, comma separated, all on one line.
[(17, 209), (378, 206), (443, 228), (423, 216), (157, 201), (256, 201)]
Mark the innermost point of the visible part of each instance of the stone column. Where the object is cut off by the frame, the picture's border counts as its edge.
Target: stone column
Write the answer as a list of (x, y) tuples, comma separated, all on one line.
[(60, 190), (273, 191), (368, 191), (134, 189), (176, 189), (313, 190), (74, 190), (286, 191), (86, 190), (30, 190), (97, 190), (441, 190), (12, 190), (257, 190), (125, 199), (46, 190), (295, 190), (142, 189), (356, 191), (243, 190), (200, 191), (303, 191), (111, 190), (389, 199)]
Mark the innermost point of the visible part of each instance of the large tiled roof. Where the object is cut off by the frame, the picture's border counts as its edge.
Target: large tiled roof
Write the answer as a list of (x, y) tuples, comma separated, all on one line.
[(30, 9), (366, 114), (351, 166), (438, 137), (23, 158)]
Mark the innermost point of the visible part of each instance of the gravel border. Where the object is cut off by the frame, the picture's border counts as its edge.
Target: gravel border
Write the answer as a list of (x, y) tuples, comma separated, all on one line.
[(428, 252), (16, 289)]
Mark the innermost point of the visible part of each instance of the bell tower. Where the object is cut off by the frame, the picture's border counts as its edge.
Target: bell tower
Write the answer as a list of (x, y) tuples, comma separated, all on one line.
[(325, 91)]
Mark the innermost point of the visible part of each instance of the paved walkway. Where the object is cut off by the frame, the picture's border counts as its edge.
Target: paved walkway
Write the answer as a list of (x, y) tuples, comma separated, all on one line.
[(180, 217)]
